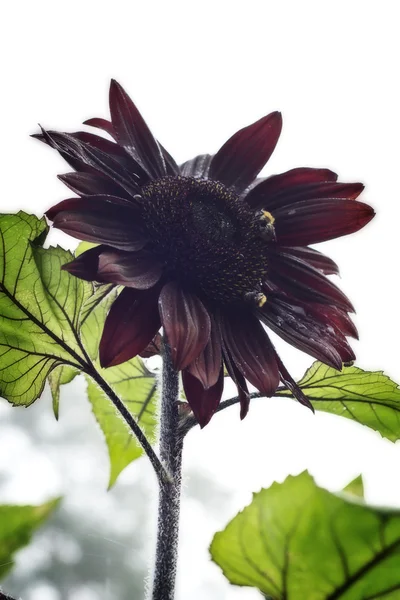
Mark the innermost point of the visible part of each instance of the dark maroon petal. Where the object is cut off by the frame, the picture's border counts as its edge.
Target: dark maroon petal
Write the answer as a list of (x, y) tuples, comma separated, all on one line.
[(186, 323), (170, 164), (85, 266), (251, 350), (131, 269), (334, 316), (290, 383), (263, 197), (203, 402), (106, 146), (243, 156), (314, 221), (197, 167), (314, 258), (286, 183), (100, 219), (207, 366), (302, 331), (131, 324), (303, 281), (103, 124), (133, 133), (90, 184), (241, 385), (154, 348), (84, 157)]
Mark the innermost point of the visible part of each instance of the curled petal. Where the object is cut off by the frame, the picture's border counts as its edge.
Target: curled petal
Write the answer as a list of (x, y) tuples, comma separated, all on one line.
[(314, 221), (170, 164), (131, 324), (292, 323), (251, 350), (197, 167), (207, 366), (91, 184), (312, 257), (241, 385), (86, 158), (133, 133), (85, 266), (303, 281), (100, 219), (334, 316), (103, 124), (203, 402), (131, 269), (290, 383), (243, 156), (186, 323)]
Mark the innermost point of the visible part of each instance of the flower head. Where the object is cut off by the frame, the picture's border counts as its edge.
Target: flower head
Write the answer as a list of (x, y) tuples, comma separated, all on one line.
[(208, 251)]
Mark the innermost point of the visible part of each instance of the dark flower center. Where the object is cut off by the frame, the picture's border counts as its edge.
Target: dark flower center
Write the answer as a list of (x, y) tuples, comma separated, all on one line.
[(210, 240)]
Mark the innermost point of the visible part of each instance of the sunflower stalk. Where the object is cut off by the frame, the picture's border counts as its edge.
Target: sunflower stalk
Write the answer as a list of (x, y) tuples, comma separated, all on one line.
[(171, 443)]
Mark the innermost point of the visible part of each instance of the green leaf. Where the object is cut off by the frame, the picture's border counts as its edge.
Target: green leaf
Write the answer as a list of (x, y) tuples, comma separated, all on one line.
[(39, 309), (136, 387), (134, 384), (367, 397), (93, 315), (297, 541), (17, 524), (355, 487), (58, 377)]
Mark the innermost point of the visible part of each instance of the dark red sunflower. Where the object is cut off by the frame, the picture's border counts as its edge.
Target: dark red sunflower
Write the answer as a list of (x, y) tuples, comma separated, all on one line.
[(208, 251)]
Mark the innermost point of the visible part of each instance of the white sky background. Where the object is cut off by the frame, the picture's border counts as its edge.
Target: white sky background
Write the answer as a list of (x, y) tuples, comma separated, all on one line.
[(199, 72)]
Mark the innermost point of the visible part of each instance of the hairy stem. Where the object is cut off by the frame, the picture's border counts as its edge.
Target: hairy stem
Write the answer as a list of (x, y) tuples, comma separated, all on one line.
[(170, 490), (161, 473), (4, 596)]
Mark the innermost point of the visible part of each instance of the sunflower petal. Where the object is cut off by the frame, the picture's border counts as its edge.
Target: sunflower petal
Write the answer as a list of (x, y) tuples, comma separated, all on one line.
[(103, 124), (197, 167), (85, 266), (243, 156), (303, 281), (170, 164), (301, 330), (90, 184), (314, 258), (241, 385), (272, 197), (100, 219), (203, 402), (290, 383), (131, 269), (286, 183), (131, 324), (84, 157), (314, 221), (133, 133), (251, 350), (186, 323), (206, 367)]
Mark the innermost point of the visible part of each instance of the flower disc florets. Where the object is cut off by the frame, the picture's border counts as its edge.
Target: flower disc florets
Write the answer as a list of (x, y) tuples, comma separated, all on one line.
[(209, 239)]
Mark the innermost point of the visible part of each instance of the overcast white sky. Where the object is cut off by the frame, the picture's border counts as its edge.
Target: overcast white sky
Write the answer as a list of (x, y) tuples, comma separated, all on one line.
[(198, 72)]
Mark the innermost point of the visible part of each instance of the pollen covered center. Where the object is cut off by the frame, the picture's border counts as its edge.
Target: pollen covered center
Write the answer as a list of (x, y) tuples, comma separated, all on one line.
[(208, 237)]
